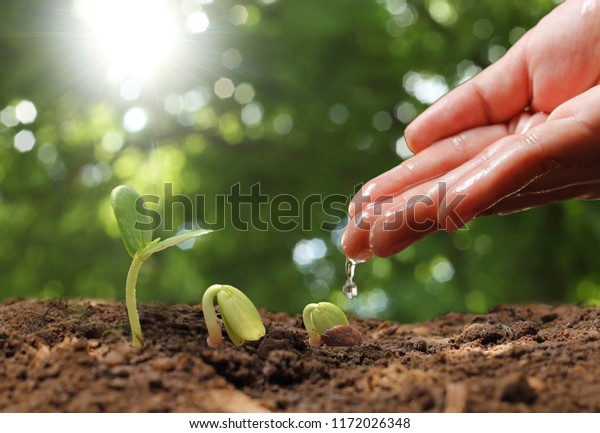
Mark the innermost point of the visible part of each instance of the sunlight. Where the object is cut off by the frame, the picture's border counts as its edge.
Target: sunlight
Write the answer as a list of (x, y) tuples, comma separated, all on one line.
[(134, 36)]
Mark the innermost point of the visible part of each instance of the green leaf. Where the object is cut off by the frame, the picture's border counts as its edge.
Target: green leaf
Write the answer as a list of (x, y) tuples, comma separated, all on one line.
[(240, 314), (326, 316), (129, 212), (169, 242), (235, 339)]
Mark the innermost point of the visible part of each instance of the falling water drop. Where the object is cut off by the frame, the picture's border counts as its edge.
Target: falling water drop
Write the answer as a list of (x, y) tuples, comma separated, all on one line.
[(349, 288)]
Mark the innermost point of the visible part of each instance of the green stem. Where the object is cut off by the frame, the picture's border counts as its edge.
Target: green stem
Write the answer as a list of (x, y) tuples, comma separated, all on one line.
[(134, 318), (313, 336), (215, 335)]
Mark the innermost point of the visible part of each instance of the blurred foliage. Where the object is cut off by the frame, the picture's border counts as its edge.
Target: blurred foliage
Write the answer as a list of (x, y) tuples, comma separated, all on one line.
[(323, 91)]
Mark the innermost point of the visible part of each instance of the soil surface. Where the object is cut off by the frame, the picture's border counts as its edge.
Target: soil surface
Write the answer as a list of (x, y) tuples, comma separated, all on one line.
[(75, 356)]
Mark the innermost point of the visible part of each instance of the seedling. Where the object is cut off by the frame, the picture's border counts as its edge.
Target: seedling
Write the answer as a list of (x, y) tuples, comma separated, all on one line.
[(131, 214), (240, 318), (326, 323)]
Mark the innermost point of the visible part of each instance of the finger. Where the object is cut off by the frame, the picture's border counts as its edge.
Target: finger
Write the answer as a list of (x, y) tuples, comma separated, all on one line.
[(438, 159), (502, 169), (562, 178), (493, 96), (520, 160), (355, 240), (587, 191), (413, 218), (434, 161), (573, 108), (521, 124), (563, 184), (569, 137)]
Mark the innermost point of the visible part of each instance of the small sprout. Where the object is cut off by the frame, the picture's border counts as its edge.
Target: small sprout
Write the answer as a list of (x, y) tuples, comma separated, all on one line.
[(239, 315), (327, 323), (134, 222)]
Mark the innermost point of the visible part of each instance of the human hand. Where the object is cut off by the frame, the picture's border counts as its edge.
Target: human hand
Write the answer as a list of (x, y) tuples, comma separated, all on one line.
[(523, 133)]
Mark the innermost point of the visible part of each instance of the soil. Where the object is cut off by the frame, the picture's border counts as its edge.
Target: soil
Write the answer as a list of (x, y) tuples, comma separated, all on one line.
[(75, 356)]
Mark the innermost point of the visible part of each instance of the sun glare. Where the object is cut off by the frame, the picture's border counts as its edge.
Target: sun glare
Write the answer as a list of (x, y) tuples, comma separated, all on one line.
[(133, 36)]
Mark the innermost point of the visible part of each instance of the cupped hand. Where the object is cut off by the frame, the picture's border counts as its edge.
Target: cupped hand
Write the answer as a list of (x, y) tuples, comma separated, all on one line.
[(523, 133)]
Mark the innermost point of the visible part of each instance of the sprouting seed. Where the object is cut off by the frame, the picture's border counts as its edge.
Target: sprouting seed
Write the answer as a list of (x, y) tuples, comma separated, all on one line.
[(326, 323), (239, 315)]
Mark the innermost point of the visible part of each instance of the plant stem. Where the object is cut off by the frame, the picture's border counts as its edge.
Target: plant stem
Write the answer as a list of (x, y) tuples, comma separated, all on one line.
[(215, 335), (313, 336), (134, 318)]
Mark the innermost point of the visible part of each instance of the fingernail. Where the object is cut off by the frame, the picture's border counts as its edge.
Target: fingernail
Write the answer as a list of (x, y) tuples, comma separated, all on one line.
[(351, 209), (363, 256)]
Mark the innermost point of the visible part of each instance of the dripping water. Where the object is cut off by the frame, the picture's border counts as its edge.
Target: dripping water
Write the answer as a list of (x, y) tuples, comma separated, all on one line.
[(350, 288)]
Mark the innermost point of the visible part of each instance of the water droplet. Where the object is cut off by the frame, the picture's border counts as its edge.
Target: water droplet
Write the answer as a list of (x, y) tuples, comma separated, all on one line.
[(350, 288)]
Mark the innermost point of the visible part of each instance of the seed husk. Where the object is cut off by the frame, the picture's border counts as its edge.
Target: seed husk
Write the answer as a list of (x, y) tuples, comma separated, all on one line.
[(342, 335)]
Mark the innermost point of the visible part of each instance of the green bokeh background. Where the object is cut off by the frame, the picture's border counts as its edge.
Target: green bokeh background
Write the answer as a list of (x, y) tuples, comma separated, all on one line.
[(334, 82)]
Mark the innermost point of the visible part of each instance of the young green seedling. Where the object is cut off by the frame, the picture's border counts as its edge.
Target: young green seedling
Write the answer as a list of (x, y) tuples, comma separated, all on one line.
[(326, 323), (240, 318), (132, 217)]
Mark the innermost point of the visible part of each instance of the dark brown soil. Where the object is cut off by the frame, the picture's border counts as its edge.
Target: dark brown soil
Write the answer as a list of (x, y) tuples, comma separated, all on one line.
[(75, 356)]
